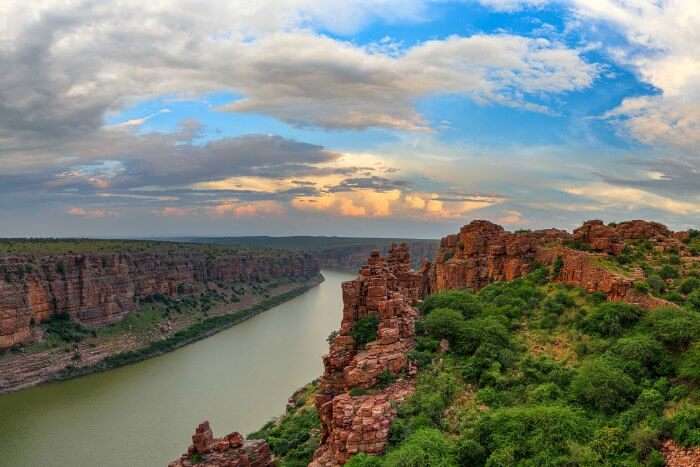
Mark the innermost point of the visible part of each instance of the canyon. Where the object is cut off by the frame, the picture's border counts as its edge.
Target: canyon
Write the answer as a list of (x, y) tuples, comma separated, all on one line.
[(338, 253), (99, 289), (363, 384), (187, 291)]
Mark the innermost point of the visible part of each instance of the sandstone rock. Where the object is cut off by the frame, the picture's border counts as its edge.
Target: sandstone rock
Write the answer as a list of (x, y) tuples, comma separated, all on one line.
[(230, 451), (677, 456), (103, 288), (386, 288)]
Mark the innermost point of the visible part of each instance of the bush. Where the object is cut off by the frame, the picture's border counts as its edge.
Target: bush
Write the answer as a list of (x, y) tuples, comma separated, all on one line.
[(694, 300), (601, 386), (67, 330), (656, 284), (689, 285), (686, 425), (675, 327), (427, 447), (462, 301), (365, 330), (668, 272), (291, 438), (641, 355), (532, 436), (690, 364), (444, 323), (364, 460), (611, 319)]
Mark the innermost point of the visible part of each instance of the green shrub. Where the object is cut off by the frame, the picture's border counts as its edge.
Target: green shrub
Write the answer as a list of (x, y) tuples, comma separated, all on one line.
[(530, 436), (365, 330), (611, 319), (444, 323), (686, 425), (641, 355), (668, 272), (694, 300), (689, 285), (462, 301), (675, 327), (67, 330), (600, 385), (426, 447), (364, 460), (292, 437), (690, 364), (656, 284)]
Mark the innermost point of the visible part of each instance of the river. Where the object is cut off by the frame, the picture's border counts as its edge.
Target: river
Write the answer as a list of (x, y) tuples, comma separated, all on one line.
[(143, 415)]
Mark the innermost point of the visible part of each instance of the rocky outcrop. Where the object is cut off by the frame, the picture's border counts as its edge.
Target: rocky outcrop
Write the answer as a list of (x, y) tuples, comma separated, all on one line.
[(611, 238), (352, 258), (386, 288), (484, 252), (98, 289), (230, 451), (678, 456)]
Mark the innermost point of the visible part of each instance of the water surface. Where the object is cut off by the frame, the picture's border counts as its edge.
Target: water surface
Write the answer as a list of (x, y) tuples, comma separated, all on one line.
[(143, 415)]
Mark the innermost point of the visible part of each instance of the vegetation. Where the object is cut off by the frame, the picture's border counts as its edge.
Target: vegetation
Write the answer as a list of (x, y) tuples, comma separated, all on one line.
[(365, 330), (294, 437), (539, 374)]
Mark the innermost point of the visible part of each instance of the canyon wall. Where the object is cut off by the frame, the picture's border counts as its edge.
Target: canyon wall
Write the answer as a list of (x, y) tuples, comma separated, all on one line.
[(356, 410), (98, 289), (355, 422), (352, 258), (484, 252)]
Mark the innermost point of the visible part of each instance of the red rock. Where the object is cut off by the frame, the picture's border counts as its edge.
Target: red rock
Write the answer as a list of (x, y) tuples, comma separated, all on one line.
[(387, 288), (229, 451), (98, 289)]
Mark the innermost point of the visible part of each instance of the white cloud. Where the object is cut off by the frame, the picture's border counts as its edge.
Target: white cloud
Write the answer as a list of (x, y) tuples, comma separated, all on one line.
[(628, 198), (66, 64), (663, 38)]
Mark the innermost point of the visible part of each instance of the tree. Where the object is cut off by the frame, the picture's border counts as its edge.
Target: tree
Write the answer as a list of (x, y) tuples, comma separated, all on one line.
[(427, 447), (600, 385)]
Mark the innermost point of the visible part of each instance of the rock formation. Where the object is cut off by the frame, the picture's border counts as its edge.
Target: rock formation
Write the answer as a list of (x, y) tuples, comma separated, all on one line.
[(98, 289), (484, 252), (386, 288), (230, 451)]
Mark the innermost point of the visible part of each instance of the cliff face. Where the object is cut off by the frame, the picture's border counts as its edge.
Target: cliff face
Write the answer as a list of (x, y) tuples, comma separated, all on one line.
[(98, 289), (386, 288), (483, 253), (352, 258)]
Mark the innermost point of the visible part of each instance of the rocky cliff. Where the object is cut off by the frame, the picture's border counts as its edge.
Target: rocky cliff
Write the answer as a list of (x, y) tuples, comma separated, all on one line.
[(484, 252), (101, 288), (361, 386), (352, 422)]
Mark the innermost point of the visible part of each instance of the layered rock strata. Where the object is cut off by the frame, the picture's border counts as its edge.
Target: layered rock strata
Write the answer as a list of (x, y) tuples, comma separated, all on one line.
[(230, 451), (98, 289), (484, 252), (386, 288)]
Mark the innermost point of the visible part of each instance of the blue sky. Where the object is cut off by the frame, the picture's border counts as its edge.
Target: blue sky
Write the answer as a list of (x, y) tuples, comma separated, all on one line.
[(372, 117)]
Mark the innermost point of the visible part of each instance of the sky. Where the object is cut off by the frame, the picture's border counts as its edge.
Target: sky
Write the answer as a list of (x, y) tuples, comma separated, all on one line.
[(356, 117)]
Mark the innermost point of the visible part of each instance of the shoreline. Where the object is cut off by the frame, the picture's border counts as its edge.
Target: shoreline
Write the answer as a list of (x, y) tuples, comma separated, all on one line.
[(181, 338)]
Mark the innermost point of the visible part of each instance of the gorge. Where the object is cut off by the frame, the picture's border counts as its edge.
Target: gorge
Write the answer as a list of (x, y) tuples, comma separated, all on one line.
[(369, 377)]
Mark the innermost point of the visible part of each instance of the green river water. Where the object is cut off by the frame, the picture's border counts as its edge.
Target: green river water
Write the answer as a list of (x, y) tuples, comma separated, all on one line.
[(143, 415)]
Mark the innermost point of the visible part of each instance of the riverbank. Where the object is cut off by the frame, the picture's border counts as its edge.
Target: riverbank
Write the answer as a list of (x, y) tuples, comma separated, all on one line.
[(142, 415), (161, 327)]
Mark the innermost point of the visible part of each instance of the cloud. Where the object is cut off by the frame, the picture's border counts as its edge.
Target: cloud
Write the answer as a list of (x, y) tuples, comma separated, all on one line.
[(628, 198), (95, 213), (661, 39), (68, 64)]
